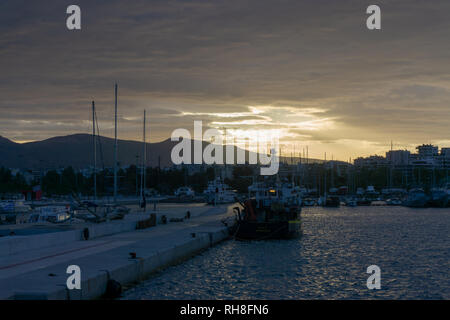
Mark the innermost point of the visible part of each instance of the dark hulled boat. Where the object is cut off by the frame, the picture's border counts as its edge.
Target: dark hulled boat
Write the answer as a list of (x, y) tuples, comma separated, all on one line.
[(332, 201), (274, 213), (438, 198), (416, 198)]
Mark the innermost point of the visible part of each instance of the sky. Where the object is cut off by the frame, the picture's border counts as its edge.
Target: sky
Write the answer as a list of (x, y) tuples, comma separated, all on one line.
[(309, 71)]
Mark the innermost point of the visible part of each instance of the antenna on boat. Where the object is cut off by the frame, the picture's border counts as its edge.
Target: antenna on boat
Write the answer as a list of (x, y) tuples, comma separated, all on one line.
[(115, 144)]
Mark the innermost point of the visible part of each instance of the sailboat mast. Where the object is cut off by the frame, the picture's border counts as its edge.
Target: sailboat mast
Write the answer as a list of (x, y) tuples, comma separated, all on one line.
[(144, 161), (95, 150), (307, 155), (115, 143), (325, 178)]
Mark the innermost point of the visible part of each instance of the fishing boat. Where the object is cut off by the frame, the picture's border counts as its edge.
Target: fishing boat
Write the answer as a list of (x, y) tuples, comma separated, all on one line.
[(273, 213)]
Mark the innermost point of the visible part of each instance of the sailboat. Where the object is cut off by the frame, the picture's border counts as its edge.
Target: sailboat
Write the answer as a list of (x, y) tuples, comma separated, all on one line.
[(92, 211)]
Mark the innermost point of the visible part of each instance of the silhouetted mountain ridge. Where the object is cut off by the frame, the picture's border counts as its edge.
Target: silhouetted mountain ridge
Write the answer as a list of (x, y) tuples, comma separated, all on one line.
[(77, 151)]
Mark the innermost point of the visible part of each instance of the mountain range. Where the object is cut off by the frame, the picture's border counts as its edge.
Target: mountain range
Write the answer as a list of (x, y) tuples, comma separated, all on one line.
[(77, 151)]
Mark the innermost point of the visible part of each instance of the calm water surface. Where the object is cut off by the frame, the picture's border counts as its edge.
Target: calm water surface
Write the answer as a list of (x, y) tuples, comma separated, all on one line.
[(411, 246)]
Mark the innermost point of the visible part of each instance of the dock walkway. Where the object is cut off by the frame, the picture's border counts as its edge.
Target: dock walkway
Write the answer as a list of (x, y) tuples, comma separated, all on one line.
[(41, 273)]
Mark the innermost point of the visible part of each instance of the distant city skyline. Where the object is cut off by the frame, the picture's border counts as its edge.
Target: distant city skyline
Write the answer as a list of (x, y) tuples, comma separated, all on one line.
[(310, 71)]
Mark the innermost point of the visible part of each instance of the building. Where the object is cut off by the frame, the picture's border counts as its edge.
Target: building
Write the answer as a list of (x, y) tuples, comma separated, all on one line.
[(372, 161), (398, 157), (445, 153), (427, 151)]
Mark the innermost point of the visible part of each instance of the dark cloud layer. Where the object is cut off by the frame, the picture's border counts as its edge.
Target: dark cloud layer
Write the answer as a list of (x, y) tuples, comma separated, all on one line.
[(208, 58)]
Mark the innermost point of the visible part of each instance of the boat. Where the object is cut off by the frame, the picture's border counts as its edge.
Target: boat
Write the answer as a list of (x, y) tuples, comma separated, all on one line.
[(351, 202), (363, 201), (218, 192), (370, 191), (93, 212), (360, 192), (184, 192), (438, 198), (330, 201), (447, 188), (416, 198), (14, 211), (394, 202), (308, 202), (14, 206), (378, 203), (52, 214), (270, 214)]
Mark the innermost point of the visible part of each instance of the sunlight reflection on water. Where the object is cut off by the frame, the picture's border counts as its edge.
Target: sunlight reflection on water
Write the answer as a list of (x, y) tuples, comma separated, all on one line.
[(411, 246)]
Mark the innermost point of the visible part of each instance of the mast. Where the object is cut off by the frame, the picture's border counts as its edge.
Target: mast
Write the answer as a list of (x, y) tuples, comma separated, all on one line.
[(325, 178), (332, 171), (307, 155), (306, 171), (95, 150), (144, 160), (137, 174), (115, 144)]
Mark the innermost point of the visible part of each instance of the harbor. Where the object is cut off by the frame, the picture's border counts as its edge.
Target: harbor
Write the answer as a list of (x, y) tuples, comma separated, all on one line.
[(210, 150), (411, 246), (33, 267), (117, 253)]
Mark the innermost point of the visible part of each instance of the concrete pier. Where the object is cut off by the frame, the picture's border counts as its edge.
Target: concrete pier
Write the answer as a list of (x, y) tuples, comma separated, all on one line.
[(34, 267)]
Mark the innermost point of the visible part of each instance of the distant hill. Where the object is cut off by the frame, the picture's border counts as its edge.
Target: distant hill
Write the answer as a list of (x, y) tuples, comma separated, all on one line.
[(76, 151)]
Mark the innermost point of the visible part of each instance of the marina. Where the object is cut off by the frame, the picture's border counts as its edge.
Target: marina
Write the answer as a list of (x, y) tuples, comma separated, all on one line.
[(189, 150), (143, 242)]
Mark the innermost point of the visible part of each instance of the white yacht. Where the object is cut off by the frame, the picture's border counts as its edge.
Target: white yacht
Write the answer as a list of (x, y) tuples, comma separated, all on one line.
[(184, 192), (219, 193), (54, 214)]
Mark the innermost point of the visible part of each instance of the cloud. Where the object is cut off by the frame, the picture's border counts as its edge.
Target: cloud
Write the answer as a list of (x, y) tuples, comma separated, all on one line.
[(311, 68)]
